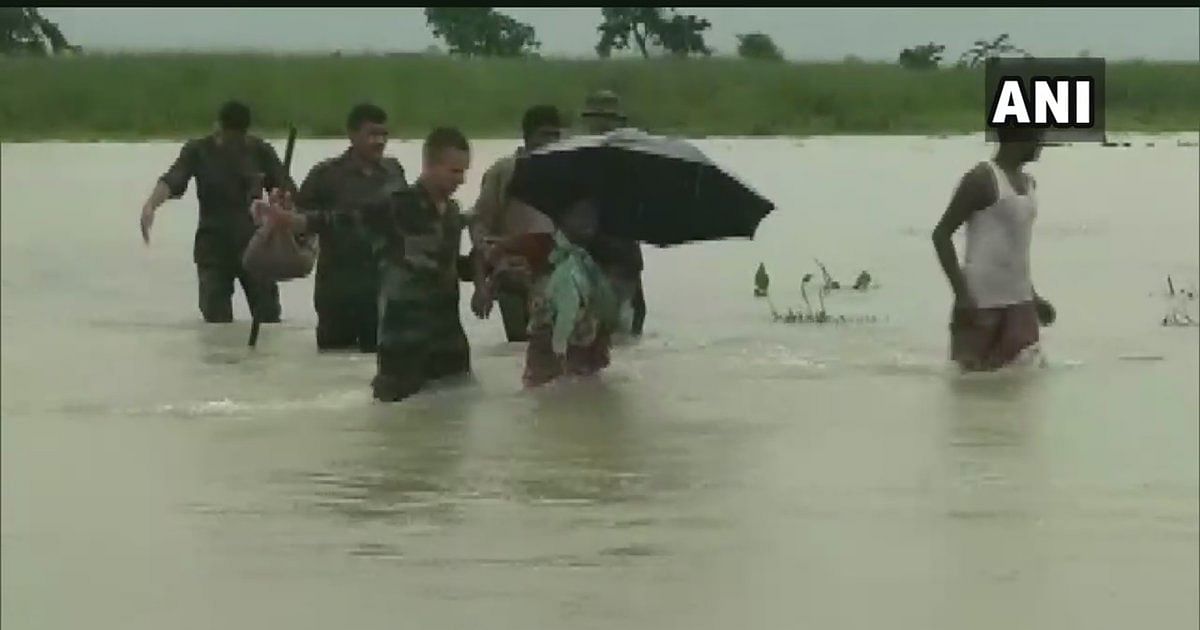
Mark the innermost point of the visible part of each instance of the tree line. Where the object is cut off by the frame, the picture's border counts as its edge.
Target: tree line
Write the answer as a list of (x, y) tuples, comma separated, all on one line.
[(486, 32)]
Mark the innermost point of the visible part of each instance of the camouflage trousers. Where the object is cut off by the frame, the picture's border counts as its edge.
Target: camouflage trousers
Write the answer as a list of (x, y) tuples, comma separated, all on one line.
[(419, 342), (216, 294)]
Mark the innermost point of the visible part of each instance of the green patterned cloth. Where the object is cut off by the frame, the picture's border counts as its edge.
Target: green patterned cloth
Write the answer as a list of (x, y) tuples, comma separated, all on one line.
[(579, 298)]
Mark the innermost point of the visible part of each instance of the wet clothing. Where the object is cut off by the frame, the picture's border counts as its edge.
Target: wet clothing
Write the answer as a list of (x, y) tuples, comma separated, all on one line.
[(622, 261), (985, 339), (347, 278), (228, 177), (575, 310), (996, 265), (499, 216), (1004, 325), (421, 337), (216, 294)]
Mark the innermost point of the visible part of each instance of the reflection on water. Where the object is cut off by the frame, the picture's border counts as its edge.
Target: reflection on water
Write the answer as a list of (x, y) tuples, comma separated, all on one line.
[(159, 473)]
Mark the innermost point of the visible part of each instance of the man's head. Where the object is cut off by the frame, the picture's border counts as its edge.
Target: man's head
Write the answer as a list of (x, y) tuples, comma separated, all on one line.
[(234, 119), (366, 126), (602, 112), (446, 157), (1022, 145), (540, 126), (580, 222)]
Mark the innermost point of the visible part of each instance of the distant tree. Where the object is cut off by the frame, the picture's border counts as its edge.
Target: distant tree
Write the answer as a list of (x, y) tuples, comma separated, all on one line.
[(683, 35), (983, 49), (758, 46), (23, 30), (481, 32), (923, 57), (679, 35)]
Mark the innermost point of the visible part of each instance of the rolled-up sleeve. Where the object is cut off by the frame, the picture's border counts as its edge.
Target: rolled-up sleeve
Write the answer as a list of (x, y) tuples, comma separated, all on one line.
[(176, 178)]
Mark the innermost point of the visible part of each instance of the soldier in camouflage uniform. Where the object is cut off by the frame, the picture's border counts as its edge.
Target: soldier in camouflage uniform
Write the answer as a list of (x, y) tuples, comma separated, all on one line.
[(231, 168), (347, 282), (416, 238)]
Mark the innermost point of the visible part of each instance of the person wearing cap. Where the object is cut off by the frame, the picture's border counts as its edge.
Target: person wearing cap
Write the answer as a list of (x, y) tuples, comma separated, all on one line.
[(620, 258)]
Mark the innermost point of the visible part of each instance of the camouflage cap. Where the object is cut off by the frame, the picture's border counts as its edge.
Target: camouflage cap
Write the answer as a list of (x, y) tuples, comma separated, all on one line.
[(602, 104)]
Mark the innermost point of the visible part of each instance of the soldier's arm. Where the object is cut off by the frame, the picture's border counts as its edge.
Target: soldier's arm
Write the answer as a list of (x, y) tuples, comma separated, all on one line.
[(311, 201), (173, 183)]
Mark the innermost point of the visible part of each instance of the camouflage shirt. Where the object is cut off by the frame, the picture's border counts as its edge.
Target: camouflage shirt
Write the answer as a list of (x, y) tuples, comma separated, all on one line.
[(227, 178), (417, 249), (331, 198)]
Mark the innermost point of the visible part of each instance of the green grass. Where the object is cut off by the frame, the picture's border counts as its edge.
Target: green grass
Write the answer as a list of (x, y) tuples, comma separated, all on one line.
[(173, 96)]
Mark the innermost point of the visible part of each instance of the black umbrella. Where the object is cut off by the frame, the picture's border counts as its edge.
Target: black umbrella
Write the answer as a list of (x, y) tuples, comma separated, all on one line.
[(659, 190)]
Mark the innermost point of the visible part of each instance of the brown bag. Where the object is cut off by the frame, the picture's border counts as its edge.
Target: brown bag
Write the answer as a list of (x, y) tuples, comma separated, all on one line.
[(278, 255)]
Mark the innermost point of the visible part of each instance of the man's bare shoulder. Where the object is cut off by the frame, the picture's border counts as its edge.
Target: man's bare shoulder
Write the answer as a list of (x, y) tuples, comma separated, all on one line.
[(979, 181)]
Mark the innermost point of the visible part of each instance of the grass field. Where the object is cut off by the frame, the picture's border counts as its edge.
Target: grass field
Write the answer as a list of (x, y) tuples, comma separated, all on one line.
[(126, 97)]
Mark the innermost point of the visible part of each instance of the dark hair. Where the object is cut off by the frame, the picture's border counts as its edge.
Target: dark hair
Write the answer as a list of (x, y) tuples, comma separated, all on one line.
[(364, 113), (540, 116), (444, 138), (1011, 135), (234, 116)]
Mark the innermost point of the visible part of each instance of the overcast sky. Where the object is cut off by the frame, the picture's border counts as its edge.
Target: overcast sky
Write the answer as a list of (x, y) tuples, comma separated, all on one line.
[(815, 34)]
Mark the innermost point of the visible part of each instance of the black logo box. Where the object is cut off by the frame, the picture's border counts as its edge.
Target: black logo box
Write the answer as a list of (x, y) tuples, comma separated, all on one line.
[(1026, 69)]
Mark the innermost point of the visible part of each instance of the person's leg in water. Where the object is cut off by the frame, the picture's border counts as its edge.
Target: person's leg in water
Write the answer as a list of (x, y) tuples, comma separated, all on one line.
[(987, 339), (262, 298), (215, 285), (337, 324), (514, 310), (1018, 332), (639, 308), (400, 372), (367, 319)]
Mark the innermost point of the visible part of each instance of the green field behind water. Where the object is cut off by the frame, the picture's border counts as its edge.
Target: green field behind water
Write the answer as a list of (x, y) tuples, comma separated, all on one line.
[(127, 97)]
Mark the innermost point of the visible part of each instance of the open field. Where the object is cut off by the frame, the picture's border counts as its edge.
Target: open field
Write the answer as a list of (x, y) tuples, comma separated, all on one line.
[(124, 97)]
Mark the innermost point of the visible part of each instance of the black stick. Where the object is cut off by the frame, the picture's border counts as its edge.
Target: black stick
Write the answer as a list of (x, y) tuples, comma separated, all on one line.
[(255, 324)]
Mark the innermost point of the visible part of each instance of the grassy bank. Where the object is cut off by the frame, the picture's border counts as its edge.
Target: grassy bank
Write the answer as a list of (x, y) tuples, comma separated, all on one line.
[(173, 96)]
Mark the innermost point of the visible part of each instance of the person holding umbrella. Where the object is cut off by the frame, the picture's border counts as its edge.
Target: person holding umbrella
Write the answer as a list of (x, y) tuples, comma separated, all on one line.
[(624, 185), (620, 257)]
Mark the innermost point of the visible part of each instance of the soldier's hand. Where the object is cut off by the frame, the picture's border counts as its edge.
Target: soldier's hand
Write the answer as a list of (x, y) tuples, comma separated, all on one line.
[(481, 302), (147, 222)]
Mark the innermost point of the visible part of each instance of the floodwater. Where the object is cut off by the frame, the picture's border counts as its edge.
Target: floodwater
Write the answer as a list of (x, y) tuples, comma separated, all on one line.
[(727, 471)]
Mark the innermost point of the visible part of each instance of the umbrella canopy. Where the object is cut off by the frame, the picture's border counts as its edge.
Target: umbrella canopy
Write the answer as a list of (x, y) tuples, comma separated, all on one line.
[(659, 190)]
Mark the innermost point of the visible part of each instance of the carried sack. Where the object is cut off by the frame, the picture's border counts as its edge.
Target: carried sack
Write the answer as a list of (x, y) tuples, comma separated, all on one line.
[(276, 254)]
